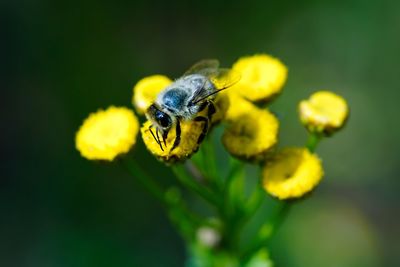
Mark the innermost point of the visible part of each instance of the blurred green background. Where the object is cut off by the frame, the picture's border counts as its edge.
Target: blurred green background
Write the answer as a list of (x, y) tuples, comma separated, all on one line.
[(64, 59)]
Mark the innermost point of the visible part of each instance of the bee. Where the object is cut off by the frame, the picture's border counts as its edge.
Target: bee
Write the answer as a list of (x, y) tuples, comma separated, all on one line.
[(186, 97)]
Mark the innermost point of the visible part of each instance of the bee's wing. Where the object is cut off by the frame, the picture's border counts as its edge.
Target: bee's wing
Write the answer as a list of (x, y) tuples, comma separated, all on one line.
[(211, 64), (222, 78)]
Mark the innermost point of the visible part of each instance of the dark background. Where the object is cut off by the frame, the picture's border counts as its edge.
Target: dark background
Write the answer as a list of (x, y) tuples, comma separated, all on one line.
[(61, 60)]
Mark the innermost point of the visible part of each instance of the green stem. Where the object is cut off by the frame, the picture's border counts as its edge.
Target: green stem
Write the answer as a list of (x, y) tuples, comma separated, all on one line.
[(210, 163), (281, 215), (232, 189), (175, 201), (231, 211), (312, 142), (205, 162), (191, 184), (136, 171), (182, 218), (236, 167), (267, 230), (254, 202)]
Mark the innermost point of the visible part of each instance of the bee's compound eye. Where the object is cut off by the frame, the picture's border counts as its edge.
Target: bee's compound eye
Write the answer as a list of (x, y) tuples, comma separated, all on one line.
[(163, 119)]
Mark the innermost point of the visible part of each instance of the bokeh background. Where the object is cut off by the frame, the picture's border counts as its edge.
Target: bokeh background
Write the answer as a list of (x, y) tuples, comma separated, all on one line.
[(63, 59)]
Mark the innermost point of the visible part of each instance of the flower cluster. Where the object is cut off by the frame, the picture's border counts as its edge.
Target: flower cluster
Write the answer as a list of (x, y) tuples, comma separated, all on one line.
[(250, 135), (251, 130)]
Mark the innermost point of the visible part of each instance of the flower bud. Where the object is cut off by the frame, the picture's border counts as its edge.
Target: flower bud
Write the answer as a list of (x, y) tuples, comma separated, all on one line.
[(324, 112)]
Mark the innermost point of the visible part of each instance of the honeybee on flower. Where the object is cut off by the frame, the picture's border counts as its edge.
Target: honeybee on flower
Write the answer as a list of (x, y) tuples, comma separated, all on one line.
[(185, 98)]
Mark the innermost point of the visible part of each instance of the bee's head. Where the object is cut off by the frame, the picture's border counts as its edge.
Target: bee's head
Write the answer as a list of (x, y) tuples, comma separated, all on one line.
[(158, 117)]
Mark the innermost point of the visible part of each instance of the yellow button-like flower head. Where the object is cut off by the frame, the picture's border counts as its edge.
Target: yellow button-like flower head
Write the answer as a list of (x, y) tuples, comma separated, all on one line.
[(146, 90), (190, 132), (325, 112), (262, 77), (292, 173), (238, 106), (107, 133), (252, 132)]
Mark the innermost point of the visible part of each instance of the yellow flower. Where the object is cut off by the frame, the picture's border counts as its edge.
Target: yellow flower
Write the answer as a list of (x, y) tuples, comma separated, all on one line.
[(292, 173), (107, 133), (262, 77), (190, 132), (325, 112), (146, 90), (237, 106), (252, 132)]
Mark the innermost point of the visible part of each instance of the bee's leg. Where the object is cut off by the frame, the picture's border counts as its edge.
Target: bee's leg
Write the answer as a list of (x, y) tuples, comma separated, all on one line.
[(205, 128), (203, 106), (164, 136), (156, 139), (210, 113), (159, 140), (211, 110), (177, 134)]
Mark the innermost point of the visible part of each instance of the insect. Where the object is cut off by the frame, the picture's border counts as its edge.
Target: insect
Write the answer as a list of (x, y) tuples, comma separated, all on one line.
[(186, 97)]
